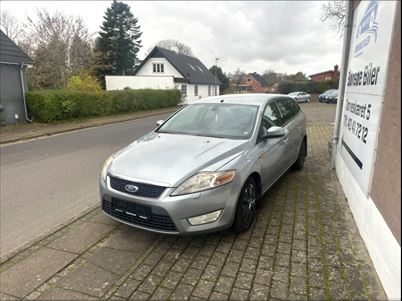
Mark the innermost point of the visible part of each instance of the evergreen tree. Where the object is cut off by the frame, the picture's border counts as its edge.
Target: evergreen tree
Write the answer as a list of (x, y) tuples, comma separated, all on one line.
[(118, 42), (221, 76)]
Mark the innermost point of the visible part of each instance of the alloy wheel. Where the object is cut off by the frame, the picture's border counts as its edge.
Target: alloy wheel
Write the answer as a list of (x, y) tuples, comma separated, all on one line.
[(248, 202)]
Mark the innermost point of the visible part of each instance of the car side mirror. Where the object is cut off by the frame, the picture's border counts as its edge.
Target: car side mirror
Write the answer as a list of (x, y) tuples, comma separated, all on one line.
[(159, 122), (274, 132)]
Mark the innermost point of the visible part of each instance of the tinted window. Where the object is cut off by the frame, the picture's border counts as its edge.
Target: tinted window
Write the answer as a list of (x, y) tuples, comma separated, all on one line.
[(288, 108)]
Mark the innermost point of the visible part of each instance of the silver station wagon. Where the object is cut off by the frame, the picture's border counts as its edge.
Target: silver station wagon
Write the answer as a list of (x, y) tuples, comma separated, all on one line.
[(205, 168)]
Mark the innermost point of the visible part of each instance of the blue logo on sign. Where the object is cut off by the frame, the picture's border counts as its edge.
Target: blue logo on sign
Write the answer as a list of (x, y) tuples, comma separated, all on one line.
[(367, 28)]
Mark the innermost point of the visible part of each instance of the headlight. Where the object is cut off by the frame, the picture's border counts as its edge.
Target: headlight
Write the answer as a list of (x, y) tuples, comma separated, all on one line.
[(105, 167), (204, 181)]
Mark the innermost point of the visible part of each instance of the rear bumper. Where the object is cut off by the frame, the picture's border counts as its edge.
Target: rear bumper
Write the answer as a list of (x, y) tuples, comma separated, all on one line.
[(175, 210)]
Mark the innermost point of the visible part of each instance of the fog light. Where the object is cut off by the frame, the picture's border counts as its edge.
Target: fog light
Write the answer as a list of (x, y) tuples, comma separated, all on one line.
[(205, 218)]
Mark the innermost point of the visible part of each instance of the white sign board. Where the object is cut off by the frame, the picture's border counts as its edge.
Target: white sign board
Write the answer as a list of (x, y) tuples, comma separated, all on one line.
[(365, 83)]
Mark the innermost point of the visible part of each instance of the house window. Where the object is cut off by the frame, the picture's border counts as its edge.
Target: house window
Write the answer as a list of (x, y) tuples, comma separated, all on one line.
[(195, 90), (158, 68), (209, 90), (184, 90), (249, 79)]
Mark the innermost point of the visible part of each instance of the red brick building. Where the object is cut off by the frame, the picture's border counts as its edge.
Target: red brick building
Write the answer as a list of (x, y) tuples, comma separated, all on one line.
[(325, 75), (254, 83)]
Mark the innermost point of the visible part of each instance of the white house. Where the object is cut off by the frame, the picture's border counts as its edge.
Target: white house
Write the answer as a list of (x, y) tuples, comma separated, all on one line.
[(165, 69)]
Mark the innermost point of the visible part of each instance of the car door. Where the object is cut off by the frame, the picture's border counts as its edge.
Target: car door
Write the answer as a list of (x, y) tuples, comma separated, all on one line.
[(271, 152), (289, 110)]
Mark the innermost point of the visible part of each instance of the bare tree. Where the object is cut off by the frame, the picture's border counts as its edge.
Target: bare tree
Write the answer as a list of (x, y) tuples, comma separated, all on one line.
[(80, 49), (238, 76), (271, 76), (51, 26), (10, 25), (235, 80), (16, 31), (335, 12), (173, 45), (62, 47)]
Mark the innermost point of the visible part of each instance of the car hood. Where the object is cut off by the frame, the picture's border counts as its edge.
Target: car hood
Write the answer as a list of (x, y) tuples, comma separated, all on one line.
[(169, 159)]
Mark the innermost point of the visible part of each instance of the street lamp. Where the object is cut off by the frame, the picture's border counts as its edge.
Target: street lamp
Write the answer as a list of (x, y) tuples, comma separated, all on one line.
[(216, 79)]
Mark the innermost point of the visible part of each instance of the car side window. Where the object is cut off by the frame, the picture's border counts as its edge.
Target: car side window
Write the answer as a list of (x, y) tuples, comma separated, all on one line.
[(288, 107), (271, 117)]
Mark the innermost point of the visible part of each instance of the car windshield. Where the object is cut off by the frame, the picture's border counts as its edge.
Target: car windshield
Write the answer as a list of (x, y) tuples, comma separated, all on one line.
[(331, 91), (232, 121), (294, 93)]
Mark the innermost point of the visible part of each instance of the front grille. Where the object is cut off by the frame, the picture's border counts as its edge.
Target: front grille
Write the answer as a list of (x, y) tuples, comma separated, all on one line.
[(144, 190), (139, 214)]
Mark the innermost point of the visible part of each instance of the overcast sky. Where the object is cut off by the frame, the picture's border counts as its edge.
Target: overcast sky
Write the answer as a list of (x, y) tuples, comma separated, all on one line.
[(285, 36)]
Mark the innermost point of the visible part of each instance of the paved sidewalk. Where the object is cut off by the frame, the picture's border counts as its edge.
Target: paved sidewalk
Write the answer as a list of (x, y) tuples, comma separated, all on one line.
[(303, 245), (26, 131)]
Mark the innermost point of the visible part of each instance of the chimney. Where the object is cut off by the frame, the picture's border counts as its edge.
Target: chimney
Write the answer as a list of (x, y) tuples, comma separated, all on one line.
[(336, 68)]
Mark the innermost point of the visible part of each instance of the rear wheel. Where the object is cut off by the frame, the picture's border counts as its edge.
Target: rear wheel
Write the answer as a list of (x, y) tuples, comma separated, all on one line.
[(246, 207), (299, 164)]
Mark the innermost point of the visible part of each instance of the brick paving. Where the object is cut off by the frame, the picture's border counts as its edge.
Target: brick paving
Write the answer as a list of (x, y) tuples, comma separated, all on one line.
[(304, 245)]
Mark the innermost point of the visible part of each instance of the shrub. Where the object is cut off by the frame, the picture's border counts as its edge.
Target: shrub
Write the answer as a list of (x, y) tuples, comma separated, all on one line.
[(312, 87), (83, 83), (53, 105)]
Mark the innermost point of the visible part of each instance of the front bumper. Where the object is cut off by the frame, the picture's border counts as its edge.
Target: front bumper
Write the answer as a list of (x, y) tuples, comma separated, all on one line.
[(169, 214)]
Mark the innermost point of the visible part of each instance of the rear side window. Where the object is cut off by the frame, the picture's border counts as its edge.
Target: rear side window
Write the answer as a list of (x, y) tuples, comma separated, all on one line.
[(288, 107)]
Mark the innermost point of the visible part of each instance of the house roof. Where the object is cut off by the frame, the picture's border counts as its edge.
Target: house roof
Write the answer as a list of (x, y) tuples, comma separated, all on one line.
[(260, 79), (10, 52), (189, 67)]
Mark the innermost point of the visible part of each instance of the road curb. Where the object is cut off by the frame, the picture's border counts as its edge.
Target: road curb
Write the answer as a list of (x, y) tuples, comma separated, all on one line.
[(78, 127)]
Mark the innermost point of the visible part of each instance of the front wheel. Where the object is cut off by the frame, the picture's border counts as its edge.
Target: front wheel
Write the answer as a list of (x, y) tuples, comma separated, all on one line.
[(246, 207)]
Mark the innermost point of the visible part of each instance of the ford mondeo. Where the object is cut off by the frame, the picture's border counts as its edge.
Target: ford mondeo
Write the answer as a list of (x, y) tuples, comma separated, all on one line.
[(206, 167)]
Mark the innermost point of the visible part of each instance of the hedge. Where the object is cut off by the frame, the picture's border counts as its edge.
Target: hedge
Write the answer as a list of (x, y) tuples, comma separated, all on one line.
[(287, 87), (54, 105)]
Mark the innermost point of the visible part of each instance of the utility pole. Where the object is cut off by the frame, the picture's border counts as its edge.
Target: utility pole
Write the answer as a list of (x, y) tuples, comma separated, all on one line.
[(216, 79)]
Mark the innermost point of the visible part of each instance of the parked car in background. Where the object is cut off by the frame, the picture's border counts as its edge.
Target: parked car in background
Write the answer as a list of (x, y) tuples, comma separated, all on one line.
[(329, 96), (300, 96), (205, 168)]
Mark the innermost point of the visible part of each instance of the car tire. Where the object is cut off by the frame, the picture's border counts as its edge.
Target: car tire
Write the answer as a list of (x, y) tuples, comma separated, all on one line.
[(299, 164), (246, 207)]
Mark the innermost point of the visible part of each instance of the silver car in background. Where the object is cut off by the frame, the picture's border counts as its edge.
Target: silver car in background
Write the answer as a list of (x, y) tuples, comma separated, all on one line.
[(300, 96), (205, 168)]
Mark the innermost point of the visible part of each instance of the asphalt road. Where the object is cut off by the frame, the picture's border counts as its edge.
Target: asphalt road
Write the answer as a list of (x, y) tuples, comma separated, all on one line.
[(47, 181)]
